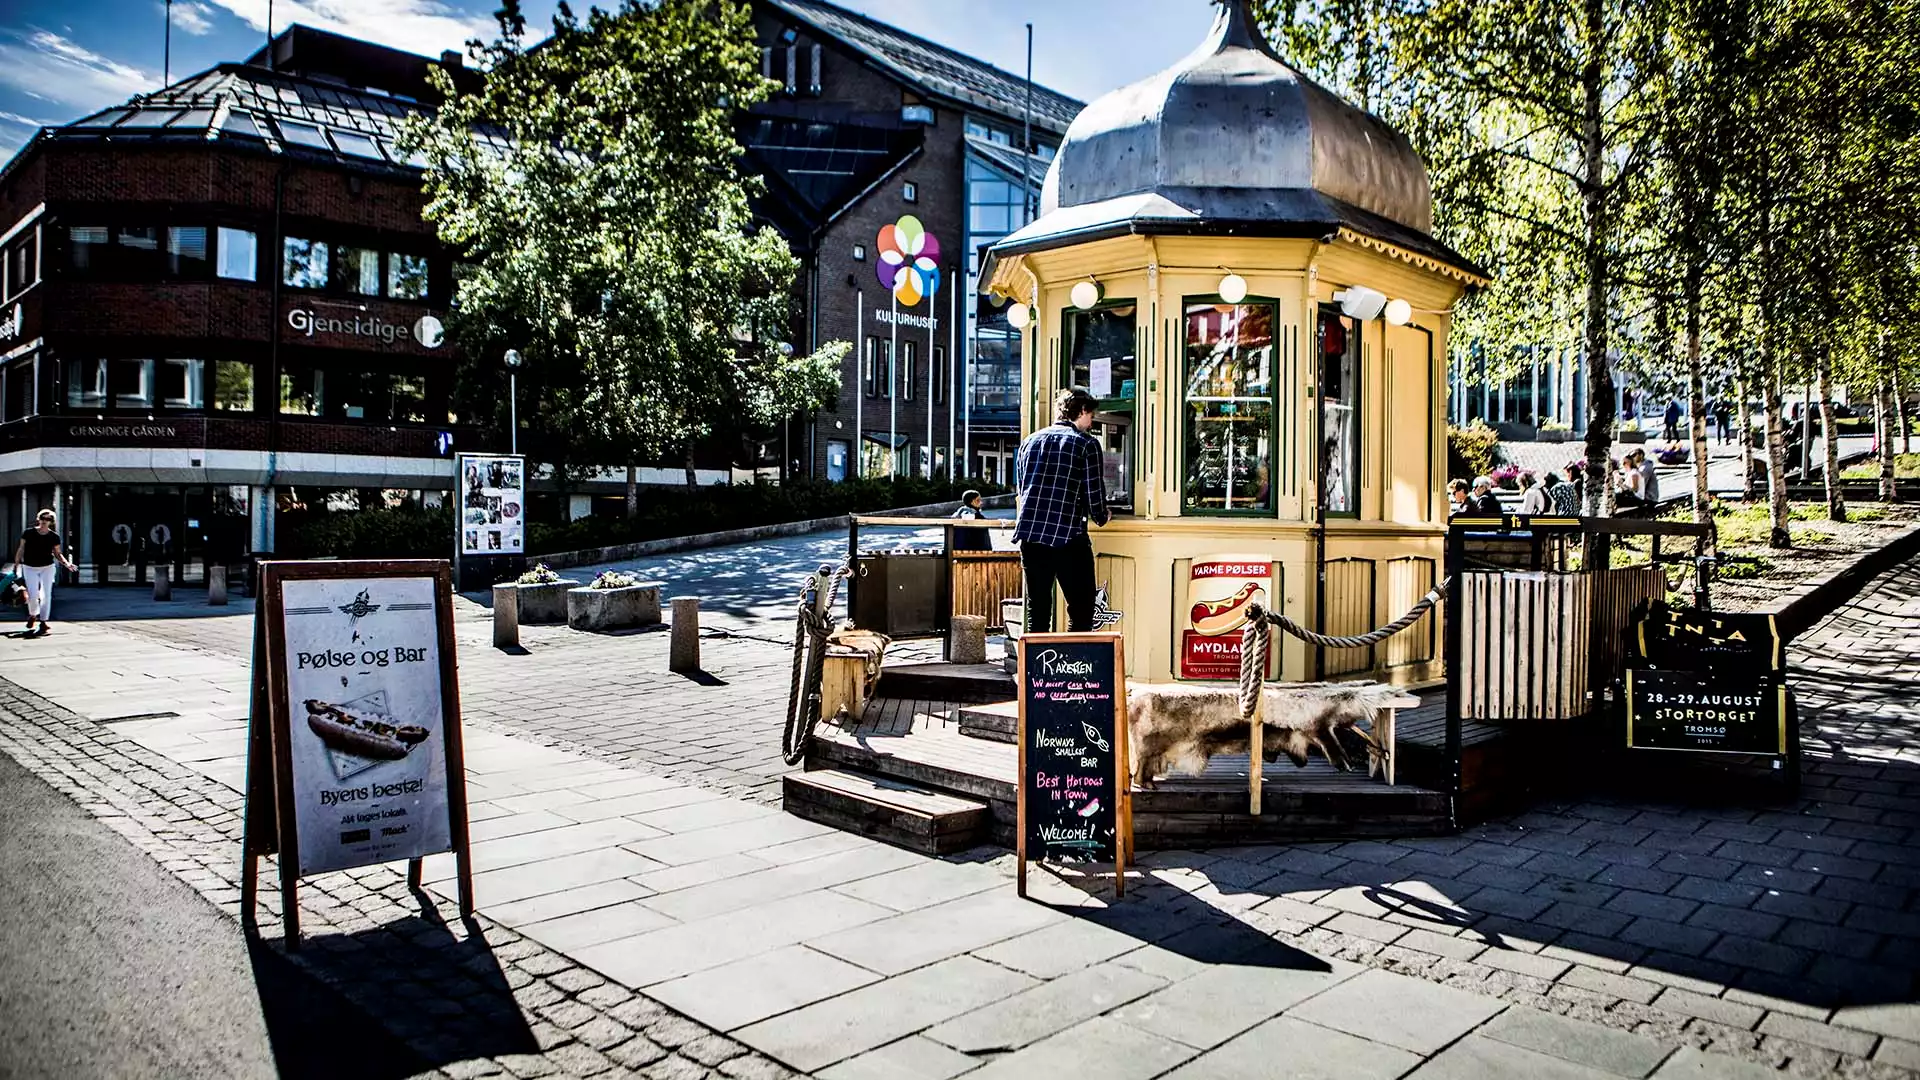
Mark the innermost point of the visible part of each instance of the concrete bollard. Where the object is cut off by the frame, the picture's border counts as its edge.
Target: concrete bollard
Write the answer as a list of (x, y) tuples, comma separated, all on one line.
[(683, 650), (217, 586), (162, 584), (506, 616), (967, 640)]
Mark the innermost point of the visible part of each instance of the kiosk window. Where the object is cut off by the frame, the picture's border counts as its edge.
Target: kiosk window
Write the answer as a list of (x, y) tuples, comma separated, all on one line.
[(1101, 359), (1229, 408), (1339, 414), (233, 386)]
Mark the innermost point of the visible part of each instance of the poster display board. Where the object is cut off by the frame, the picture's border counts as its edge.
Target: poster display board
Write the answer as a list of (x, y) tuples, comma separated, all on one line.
[(355, 749), (1685, 710), (1073, 801), (492, 502), (1220, 590)]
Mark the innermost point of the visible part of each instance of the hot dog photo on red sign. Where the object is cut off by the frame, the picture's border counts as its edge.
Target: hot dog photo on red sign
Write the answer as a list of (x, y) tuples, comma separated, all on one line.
[(1221, 591)]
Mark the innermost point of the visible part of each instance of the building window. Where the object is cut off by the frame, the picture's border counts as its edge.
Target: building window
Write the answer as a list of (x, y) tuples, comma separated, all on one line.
[(377, 395), (1101, 360), (996, 205), (130, 384), (302, 391), (910, 191), (86, 384), (859, 253), (19, 389), (916, 114), (357, 270), (940, 379), (178, 383), (87, 248), (232, 386), (1339, 349), (239, 256), (23, 265), (304, 264), (187, 251), (910, 367), (407, 276), (1229, 407), (870, 369), (304, 135), (138, 250)]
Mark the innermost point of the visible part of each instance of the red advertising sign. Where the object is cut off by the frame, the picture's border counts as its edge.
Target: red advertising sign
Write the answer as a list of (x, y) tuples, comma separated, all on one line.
[(1220, 591)]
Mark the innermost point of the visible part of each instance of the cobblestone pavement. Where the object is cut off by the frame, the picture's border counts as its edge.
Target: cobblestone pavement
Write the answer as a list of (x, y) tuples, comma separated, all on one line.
[(1585, 938)]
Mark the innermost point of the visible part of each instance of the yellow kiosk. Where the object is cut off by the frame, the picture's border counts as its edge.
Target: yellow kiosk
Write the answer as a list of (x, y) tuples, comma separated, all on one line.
[(1239, 266)]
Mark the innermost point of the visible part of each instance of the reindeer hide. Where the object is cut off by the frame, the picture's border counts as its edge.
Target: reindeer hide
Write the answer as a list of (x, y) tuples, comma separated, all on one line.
[(1176, 729)]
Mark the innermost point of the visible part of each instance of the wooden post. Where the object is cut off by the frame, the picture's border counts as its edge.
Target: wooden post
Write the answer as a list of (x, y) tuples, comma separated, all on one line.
[(216, 586), (683, 651), (162, 582), (506, 616)]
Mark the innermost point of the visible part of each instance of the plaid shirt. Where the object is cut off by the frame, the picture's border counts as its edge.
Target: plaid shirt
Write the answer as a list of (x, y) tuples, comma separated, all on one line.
[(1061, 486)]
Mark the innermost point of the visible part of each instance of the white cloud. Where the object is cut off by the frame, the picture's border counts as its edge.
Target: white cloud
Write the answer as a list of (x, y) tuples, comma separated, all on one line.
[(421, 26), (58, 70), (192, 17), (15, 118)]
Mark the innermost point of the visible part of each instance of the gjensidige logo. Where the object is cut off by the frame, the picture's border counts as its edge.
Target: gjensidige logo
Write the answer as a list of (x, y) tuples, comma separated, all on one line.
[(426, 330)]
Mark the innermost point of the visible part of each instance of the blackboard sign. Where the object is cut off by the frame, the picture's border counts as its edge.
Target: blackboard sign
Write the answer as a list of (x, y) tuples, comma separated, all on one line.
[(1073, 754), (1688, 639), (1680, 710)]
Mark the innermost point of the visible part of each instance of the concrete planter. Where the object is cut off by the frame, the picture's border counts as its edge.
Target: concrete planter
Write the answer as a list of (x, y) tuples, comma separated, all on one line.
[(614, 609), (1559, 435), (1630, 435), (545, 603)]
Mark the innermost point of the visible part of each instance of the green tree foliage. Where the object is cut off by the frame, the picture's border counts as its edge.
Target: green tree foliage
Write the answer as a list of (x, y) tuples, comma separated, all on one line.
[(591, 187)]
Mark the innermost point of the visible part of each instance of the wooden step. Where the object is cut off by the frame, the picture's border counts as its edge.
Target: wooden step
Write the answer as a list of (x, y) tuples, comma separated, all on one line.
[(905, 815), (998, 722)]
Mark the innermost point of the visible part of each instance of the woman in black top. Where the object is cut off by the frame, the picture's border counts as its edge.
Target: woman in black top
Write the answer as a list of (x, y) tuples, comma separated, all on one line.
[(35, 555)]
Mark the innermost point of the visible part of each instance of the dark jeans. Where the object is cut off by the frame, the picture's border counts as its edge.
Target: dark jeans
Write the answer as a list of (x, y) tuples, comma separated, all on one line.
[(1071, 565)]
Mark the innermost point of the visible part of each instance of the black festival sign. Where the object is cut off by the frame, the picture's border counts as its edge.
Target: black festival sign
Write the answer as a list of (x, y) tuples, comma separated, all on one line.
[(1071, 747), (1683, 710)]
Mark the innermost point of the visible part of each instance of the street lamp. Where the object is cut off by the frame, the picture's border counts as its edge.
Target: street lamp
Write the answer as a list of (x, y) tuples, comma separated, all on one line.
[(513, 400)]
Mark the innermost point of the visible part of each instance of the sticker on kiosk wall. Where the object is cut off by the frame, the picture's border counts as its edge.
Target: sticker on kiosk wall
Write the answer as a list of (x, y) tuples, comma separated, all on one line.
[(1220, 591)]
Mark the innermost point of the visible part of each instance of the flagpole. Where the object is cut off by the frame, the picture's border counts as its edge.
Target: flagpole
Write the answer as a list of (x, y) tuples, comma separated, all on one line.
[(953, 356), (166, 62), (859, 384), (893, 397), (932, 308)]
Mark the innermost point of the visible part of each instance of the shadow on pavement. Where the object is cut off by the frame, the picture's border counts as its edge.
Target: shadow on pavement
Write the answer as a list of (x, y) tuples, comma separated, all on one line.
[(314, 1033), (443, 994)]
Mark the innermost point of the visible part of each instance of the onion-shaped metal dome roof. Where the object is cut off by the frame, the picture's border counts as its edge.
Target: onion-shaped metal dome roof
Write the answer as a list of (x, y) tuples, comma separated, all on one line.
[(1233, 140)]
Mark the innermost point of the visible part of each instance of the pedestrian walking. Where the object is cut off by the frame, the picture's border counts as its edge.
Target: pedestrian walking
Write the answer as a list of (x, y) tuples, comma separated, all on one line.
[(1062, 491), (34, 558), (1673, 420)]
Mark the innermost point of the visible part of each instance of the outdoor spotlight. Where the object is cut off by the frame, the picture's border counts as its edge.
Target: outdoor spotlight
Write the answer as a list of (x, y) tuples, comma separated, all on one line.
[(1018, 316), (1360, 302), (512, 358), (1398, 312), (1086, 294), (1233, 288)]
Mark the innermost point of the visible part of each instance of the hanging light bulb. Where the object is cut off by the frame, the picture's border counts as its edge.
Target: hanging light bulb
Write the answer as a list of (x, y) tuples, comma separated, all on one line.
[(1018, 316), (1398, 312), (1086, 294), (1233, 288)]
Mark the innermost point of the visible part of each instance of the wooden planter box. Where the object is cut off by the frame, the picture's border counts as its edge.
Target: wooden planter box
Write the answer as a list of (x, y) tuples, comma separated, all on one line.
[(614, 609), (545, 603), (1558, 435)]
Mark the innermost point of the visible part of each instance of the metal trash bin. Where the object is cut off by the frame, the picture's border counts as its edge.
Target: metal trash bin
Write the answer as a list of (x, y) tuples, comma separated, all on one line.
[(899, 592)]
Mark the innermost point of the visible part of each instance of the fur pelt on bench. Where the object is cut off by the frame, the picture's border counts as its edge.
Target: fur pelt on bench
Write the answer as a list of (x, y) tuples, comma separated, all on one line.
[(1176, 728)]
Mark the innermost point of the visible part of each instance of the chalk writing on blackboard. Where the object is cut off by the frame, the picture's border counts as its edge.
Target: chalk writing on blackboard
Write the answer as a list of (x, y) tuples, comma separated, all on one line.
[(1069, 715)]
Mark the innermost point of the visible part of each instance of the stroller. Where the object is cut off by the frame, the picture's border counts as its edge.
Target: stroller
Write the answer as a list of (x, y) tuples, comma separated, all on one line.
[(13, 593)]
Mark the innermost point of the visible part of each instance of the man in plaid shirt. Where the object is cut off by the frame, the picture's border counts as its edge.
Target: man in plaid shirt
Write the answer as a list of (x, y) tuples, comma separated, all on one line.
[(1061, 490)]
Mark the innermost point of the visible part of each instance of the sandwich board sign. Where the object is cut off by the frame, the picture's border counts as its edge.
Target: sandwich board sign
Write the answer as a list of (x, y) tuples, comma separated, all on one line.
[(354, 748), (1072, 795)]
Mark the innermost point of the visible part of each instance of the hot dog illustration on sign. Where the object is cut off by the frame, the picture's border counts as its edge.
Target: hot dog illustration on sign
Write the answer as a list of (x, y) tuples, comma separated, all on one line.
[(1222, 591)]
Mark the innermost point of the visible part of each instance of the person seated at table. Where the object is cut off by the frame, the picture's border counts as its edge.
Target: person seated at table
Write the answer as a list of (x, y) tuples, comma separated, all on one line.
[(970, 539), (1564, 494), (1457, 500), (1484, 500), (1533, 496)]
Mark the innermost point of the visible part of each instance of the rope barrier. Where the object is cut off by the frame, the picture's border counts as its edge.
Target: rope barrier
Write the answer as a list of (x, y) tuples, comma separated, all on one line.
[(812, 623), (1255, 641)]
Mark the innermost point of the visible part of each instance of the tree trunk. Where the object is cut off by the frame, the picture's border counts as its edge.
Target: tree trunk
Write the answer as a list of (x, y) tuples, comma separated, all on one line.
[(1743, 432), (1829, 435), (1900, 414), (1778, 537), (693, 479), (1883, 424), (633, 492), (1600, 404), (1697, 403)]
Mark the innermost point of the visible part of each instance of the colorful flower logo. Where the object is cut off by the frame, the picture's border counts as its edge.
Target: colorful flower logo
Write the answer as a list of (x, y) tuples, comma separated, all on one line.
[(909, 261)]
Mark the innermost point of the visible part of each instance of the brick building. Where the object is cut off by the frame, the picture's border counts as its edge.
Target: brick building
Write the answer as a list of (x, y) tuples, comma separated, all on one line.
[(219, 298), (872, 124)]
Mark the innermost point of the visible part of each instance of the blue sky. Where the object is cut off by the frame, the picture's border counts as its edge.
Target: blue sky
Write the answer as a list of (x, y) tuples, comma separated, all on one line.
[(62, 59)]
